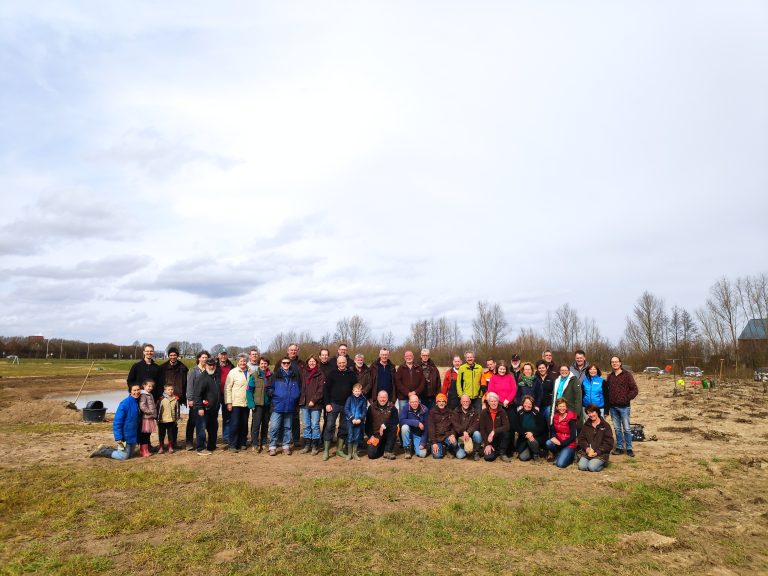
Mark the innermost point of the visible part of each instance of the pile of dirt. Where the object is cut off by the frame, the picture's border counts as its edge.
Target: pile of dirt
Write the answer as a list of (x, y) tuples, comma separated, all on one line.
[(47, 411)]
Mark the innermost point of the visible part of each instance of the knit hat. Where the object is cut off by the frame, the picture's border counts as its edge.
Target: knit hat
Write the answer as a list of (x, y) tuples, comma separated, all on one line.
[(442, 397)]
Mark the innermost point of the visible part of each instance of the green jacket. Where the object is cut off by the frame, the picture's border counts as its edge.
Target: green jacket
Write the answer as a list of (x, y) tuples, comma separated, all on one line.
[(468, 380)]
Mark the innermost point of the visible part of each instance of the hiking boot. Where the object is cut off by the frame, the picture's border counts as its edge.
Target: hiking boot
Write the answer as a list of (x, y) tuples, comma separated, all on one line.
[(103, 451), (307, 447), (315, 448), (272, 451), (407, 454), (550, 457), (617, 451), (389, 455), (505, 458), (631, 453), (476, 456)]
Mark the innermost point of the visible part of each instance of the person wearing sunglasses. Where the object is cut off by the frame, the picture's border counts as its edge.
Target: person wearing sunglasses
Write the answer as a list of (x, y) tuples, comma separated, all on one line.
[(285, 390)]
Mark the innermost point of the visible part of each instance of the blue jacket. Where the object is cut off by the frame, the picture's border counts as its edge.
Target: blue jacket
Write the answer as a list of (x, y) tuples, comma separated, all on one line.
[(285, 388), (125, 426), (595, 390), (533, 390), (414, 418), (356, 408)]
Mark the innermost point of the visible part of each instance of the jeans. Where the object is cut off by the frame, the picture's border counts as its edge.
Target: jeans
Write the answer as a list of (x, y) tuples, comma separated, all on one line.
[(413, 439), (442, 447), (620, 417), (591, 464), (337, 413), (355, 433), (564, 456), (277, 421), (124, 454), (259, 425), (226, 416), (476, 440), (546, 412), (238, 427), (310, 418), (386, 444), (207, 424)]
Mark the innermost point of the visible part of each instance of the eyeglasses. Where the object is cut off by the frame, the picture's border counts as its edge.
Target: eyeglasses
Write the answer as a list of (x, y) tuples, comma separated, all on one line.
[(285, 363)]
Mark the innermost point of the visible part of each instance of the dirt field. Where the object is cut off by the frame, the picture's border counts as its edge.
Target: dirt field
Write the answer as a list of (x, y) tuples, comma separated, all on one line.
[(712, 445)]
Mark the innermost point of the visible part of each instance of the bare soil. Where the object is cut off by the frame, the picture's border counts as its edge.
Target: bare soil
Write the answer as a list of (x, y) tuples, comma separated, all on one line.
[(718, 432)]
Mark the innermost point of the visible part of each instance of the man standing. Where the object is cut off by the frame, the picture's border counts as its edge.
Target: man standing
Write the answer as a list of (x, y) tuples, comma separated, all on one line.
[(579, 366), (297, 365), (175, 374), (382, 427), (468, 380), (382, 376), (485, 379), (431, 379), (146, 369), (622, 389), (324, 362), (202, 359), (253, 360), (222, 370), (409, 379), (341, 351), (338, 387), (206, 397), (551, 366), (515, 367)]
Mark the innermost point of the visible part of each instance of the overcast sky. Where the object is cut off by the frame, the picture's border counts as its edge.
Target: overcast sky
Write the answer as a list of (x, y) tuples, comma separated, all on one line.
[(220, 172)]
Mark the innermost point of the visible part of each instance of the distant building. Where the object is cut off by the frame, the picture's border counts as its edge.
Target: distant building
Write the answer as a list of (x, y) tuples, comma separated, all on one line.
[(753, 342)]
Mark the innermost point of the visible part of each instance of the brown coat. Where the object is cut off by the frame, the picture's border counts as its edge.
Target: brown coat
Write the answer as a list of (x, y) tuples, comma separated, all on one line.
[(431, 379), (441, 423), (600, 439), (312, 388), (409, 380), (501, 424), (468, 421)]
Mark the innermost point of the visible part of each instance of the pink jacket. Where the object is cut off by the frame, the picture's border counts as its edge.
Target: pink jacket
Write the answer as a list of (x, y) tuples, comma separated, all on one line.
[(505, 386)]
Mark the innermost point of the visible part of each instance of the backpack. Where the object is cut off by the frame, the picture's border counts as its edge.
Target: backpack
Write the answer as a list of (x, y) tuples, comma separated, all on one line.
[(637, 432)]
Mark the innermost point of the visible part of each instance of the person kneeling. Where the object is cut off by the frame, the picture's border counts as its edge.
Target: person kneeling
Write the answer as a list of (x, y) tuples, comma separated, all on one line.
[(595, 441), (125, 428), (413, 427), (382, 427), (441, 426), (532, 428), (562, 442), (494, 430)]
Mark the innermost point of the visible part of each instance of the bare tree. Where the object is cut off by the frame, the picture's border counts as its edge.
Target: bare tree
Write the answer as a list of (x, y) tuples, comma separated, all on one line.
[(354, 331), (217, 348), (387, 340), (420, 334), (645, 328), (489, 326), (723, 303), (564, 326)]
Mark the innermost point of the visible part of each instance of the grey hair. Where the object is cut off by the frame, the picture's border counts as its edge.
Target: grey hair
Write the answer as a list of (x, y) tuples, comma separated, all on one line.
[(243, 356), (358, 355), (425, 350), (492, 395)]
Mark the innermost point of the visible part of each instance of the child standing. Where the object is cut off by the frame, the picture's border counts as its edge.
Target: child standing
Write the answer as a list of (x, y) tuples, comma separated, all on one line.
[(148, 417), (355, 410), (168, 415)]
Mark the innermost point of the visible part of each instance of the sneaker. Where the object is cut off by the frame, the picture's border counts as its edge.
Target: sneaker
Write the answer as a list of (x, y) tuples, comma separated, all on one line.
[(204, 452), (287, 450), (631, 453), (272, 451), (191, 448), (617, 452)]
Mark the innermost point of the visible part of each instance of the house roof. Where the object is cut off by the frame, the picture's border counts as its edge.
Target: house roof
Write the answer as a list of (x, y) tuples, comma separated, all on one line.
[(755, 329)]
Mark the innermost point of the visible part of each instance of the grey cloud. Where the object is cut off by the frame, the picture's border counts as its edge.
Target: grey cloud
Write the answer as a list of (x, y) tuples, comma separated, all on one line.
[(211, 280), (155, 154), (55, 217), (58, 293), (103, 268)]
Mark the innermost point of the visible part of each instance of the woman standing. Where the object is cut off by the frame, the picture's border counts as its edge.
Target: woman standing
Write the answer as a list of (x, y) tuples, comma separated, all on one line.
[(567, 386), (258, 402), (595, 389), (528, 385), (504, 385), (311, 404), (236, 399), (546, 383)]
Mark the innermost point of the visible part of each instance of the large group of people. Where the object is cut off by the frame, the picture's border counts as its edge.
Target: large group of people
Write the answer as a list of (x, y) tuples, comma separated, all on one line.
[(532, 412)]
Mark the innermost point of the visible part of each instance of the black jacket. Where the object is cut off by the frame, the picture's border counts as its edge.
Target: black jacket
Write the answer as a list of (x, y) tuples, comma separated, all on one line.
[(142, 371), (206, 387), (338, 386)]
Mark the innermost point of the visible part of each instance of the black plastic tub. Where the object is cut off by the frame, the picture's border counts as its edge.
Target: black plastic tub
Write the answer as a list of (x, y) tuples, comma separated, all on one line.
[(94, 411)]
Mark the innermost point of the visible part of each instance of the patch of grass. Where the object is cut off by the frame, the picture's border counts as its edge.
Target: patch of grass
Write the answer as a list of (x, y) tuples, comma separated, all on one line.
[(47, 511)]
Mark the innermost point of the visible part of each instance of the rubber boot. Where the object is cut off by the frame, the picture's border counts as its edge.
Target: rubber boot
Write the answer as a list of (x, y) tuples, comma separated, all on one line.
[(315, 447), (340, 448), (170, 448), (144, 451), (326, 450), (353, 450), (161, 449)]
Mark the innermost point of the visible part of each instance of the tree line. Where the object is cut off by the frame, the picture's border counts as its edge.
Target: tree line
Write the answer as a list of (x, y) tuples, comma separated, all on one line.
[(655, 334)]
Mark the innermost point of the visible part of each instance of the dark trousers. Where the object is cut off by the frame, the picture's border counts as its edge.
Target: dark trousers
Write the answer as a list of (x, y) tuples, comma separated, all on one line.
[(171, 428), (511, 411), (386, 444), (238, 426), (500, 444), (260, 425), (190, 432), (208, 423), (144, 437), (295, 427), (330, 423)]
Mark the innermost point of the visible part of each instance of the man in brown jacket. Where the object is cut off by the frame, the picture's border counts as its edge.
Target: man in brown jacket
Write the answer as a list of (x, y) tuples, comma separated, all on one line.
[(409, 379), (441, 431)]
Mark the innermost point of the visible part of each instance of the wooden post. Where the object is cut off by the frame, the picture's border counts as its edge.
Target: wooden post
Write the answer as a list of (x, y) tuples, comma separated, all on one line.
[(722, 363)]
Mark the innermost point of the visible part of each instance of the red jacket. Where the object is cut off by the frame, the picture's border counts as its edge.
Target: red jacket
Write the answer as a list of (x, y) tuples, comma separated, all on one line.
[(563, 429)]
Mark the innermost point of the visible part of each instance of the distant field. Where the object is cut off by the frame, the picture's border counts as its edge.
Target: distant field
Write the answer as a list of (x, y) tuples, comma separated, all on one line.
[(65, 367)]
